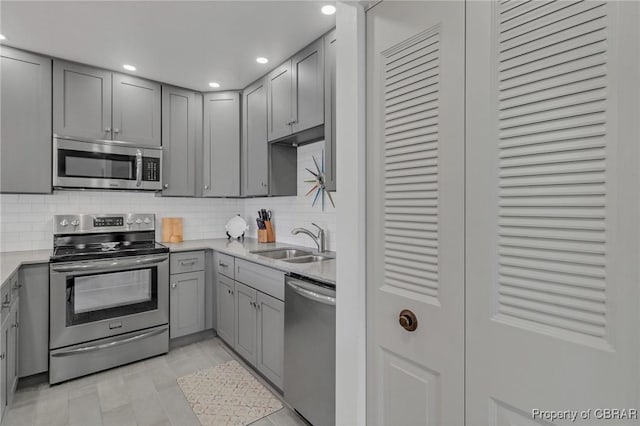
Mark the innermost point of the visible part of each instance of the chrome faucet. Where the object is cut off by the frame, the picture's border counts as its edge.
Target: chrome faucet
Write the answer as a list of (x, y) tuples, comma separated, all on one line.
[(318, 239)]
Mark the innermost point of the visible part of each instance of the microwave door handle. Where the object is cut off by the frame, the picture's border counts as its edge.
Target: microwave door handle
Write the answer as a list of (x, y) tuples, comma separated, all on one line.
[(138, 167)]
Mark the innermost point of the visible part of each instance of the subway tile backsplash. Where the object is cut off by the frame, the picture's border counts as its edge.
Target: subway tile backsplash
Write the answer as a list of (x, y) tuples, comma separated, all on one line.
[(26, 221)]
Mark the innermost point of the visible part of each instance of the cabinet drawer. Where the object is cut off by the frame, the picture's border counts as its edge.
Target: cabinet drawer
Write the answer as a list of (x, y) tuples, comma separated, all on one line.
[(265, 279), (225, 264), (187, 262)]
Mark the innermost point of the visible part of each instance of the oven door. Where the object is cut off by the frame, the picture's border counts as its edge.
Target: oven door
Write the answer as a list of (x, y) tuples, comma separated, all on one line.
[(105, 165), (100, 298)]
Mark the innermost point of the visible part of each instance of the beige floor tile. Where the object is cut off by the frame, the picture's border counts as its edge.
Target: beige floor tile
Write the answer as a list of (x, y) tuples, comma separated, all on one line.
[(120, 416), (85, 410)]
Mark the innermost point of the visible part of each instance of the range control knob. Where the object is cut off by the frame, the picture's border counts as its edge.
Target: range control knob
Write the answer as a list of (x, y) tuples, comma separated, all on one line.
[(138, 221), (75, 222), (147, 220), (64, 222), (129, 221)]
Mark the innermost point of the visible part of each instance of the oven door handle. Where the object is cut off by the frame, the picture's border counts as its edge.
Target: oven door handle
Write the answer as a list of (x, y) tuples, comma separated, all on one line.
[(94, 348), (118, 264), (138, 167)]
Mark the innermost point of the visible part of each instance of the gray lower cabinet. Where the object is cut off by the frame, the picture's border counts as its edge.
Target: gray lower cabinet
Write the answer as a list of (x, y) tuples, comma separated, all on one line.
[(187, 304), (187, 301), (255, 147), (33, 285), (307, 96), (270, 338), (330, 111), (25, 151), (179, 139), (221, 145), (245, 322), (9, 337), (136, 110), (81, 101), (225, 291), (93, 103)]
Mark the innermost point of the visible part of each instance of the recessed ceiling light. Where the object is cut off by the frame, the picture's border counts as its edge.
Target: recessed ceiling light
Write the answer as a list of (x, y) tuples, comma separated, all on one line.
[(262, 60), (214, 84), (129, 67), (328, 9), (2, 37)]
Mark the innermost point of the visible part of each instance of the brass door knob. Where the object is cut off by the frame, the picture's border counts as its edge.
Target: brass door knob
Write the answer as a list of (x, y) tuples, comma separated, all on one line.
[(408, 320)]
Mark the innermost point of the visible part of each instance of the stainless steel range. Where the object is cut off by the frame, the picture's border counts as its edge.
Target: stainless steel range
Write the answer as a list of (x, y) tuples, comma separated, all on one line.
[(109, 301)]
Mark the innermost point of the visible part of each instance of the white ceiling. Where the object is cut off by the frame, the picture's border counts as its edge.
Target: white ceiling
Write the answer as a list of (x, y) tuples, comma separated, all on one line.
[(184, 43)]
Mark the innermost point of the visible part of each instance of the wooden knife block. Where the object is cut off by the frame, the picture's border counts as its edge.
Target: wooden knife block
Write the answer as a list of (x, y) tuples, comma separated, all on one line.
[(266, 235), (171, 229)]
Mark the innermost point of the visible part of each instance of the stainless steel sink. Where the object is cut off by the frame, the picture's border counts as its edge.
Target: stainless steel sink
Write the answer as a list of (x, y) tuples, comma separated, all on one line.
[(281, 253), (308, 259)]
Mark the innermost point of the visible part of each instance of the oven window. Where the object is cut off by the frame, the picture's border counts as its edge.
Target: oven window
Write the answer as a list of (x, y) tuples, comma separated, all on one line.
[(108, 295), (95, 165)]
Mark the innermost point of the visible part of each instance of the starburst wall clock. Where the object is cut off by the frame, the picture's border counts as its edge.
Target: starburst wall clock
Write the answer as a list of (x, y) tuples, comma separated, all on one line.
[(318, 184)]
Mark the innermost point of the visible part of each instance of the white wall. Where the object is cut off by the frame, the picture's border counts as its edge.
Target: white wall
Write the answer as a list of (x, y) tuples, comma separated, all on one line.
[(26, 221), (350, 298), (293, 212)]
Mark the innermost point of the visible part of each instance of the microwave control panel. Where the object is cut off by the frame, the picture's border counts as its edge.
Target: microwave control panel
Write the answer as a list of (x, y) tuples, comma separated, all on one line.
[(151, 169)]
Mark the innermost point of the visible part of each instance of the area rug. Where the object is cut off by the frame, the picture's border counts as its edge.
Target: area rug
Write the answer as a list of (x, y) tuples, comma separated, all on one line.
[(227, 394)]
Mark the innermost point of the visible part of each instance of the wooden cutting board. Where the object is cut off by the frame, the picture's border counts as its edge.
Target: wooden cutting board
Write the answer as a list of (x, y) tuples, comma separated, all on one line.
[(171, 229)]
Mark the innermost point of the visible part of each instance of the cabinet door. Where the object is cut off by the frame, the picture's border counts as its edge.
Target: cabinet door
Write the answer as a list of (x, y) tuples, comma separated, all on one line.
[(221, 145), (81, 101), (186, 304), (255, 146), (25, 152), (13, 350), (330, 111), (279, 102), (270, 353), (245, 341), (179, 141), (34, 323), (136, 110), (226, 312), (307, 74), (4, 380)]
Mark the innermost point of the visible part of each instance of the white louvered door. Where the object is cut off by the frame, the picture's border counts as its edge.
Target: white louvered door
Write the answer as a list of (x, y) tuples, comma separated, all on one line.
[(552, 190), (415, 216)]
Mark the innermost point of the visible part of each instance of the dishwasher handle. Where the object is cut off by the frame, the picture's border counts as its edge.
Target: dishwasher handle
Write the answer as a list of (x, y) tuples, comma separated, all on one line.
[(310, 294)]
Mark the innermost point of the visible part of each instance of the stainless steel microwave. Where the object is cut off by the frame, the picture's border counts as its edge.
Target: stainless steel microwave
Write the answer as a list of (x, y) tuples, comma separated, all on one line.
[(99, 164)]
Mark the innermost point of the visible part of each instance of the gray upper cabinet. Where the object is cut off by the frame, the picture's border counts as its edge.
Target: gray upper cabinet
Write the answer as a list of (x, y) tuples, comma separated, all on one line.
[(179, 139), (81, 101), (221, 145), (330, 110), (279, 101), (136, 110), (97, 104), (307, 96), (255, 148), (25, 151)]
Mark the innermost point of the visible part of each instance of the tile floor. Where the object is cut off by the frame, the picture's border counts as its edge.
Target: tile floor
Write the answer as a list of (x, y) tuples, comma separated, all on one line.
[(144, 393)]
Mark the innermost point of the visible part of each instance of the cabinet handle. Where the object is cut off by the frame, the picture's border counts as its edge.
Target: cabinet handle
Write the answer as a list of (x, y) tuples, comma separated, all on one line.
[(173, 285), (14, 325), (116, 130), (224, 265), (107, 129), (17, 286), (166, 185), (6, 305), (188, 262), (206, 187), (2, 355), (257, 306)]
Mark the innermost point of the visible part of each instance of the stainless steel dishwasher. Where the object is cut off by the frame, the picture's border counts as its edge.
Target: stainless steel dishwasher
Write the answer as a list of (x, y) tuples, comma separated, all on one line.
[(310, 349)]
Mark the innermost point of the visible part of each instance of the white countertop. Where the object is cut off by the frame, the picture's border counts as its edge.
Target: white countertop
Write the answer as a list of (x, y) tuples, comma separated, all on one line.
[(10, 261), (324, 271)]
